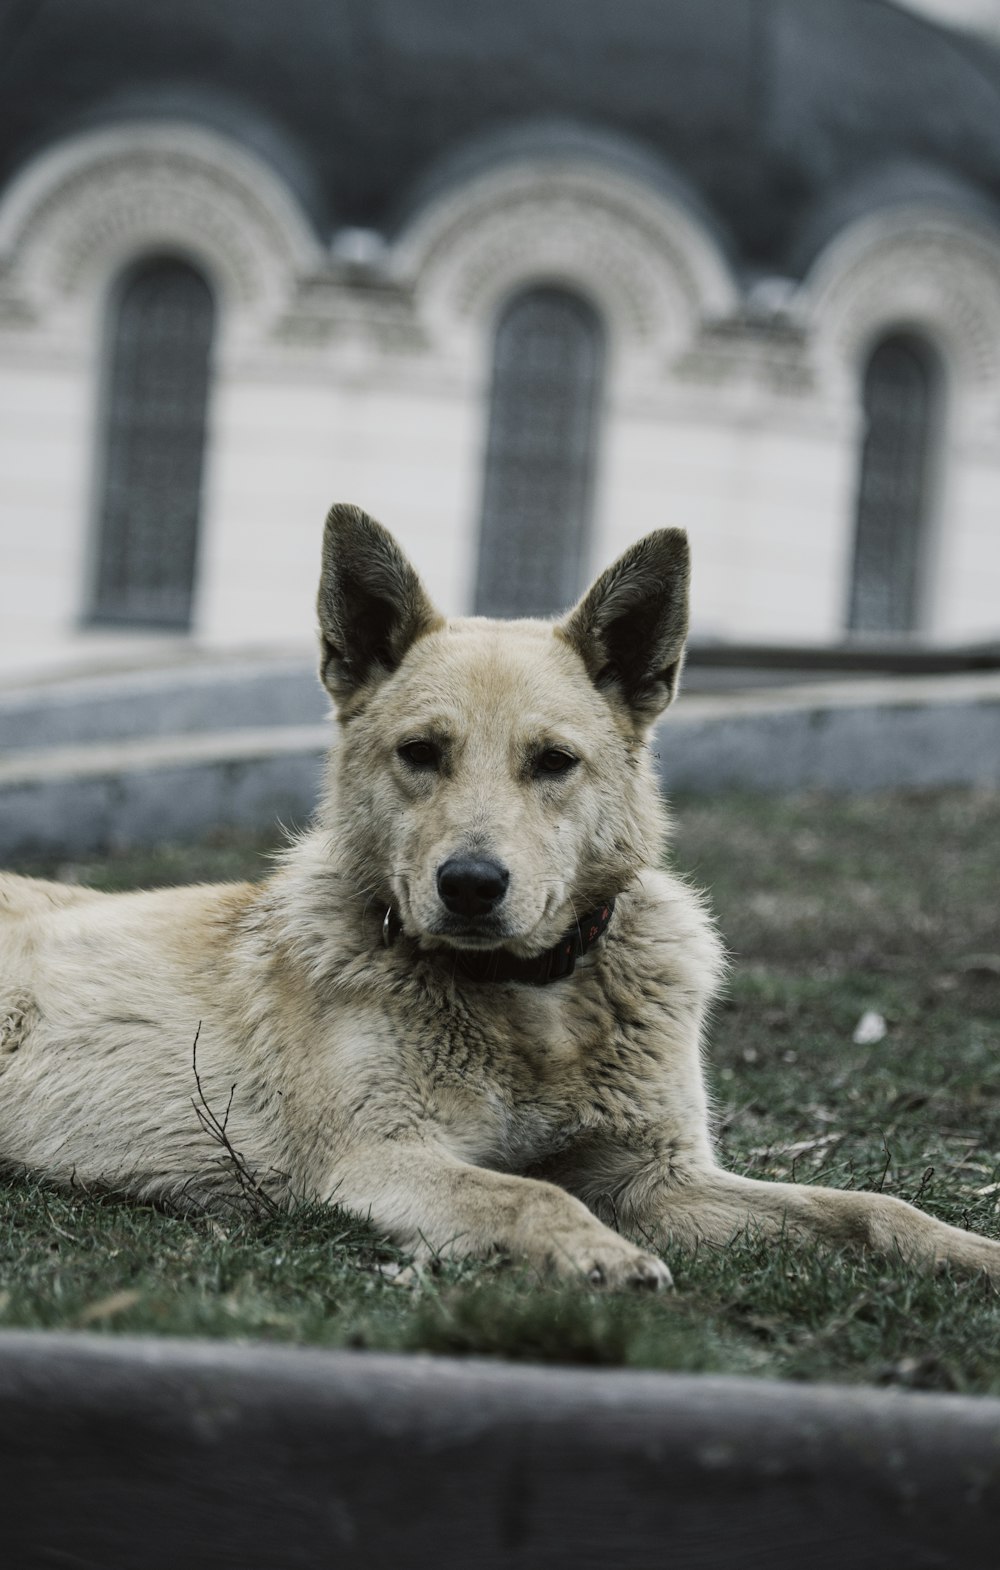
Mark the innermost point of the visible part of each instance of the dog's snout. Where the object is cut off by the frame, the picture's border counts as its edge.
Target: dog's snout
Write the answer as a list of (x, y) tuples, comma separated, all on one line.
[(472, 885)]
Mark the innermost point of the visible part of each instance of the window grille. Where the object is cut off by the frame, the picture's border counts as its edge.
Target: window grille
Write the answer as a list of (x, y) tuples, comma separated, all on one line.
[(901, 396), (161, 339), (548, 360)]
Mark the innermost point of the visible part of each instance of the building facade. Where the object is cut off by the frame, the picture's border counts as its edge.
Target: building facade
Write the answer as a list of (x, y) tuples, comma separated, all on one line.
[(730, 266)]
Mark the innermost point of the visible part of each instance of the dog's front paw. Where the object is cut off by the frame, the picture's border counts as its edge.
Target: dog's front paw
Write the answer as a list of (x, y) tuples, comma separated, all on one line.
[(613, 1265), (639, 1272)]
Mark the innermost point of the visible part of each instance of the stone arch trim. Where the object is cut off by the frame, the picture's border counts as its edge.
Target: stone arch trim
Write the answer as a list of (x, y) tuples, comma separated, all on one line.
[(88, 206), (922, 270), (650, 268)]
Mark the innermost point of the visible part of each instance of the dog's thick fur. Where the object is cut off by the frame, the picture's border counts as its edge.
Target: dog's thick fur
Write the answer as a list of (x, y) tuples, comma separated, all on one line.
[(554, 1123)]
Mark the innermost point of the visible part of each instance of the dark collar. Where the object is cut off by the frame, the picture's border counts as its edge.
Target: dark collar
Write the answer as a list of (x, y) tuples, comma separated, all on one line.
[(497, 965)]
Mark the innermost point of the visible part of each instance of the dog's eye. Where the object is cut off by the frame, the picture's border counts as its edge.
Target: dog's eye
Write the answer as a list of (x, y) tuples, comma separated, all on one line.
[(554, 760), (419, 754)]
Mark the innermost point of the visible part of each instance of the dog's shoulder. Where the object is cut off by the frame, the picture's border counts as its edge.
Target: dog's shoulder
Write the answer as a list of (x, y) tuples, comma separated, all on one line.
[(664, 929)]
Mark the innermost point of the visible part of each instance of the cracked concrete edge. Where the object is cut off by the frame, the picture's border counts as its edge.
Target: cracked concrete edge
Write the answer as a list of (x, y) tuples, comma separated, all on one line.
[(150, 1453)]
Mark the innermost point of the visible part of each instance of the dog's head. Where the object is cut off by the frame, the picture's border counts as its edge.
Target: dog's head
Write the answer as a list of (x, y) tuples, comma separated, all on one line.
[(493, 780)]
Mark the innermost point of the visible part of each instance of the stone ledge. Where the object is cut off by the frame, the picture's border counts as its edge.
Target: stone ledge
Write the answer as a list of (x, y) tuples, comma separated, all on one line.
[(152, 1455), (891, 733), (194, 696)]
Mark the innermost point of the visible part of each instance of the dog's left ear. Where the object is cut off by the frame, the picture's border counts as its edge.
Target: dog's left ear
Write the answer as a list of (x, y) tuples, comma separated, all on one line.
[(371, 604), (630, 626)]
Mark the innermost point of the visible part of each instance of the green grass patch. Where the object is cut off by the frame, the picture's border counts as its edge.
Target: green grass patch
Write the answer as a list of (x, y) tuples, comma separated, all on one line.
[(831, 908)]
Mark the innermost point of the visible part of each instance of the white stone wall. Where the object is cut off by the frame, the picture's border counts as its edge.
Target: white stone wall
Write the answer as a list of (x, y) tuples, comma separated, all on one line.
[(45, 427), (737, 420), (283, 450), (978, 16)]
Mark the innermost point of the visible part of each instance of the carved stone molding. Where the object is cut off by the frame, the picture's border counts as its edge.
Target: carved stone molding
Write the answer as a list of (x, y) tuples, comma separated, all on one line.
[(329, 309), (925, 270), (653, 271), (85, 208), (730, 353)]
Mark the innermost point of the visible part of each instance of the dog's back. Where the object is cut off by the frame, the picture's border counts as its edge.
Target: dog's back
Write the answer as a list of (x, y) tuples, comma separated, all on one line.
[(21, 897), (102, 999)]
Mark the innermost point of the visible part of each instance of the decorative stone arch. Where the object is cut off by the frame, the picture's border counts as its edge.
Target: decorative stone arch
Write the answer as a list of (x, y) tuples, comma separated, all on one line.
[(930, 274), (925, 270), (82, 211), (652, 270)]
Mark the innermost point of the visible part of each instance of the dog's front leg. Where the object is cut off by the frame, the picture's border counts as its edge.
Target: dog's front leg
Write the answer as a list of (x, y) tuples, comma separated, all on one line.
[(719, 1204), (698, 1202), (434, 1204)]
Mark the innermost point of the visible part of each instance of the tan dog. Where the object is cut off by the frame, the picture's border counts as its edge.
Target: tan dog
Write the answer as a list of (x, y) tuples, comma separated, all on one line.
[(398, 1006)]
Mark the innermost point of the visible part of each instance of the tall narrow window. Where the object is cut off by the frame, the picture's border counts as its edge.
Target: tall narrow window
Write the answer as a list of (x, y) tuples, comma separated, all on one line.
[(540, 454), (161, 339), (901, 407)]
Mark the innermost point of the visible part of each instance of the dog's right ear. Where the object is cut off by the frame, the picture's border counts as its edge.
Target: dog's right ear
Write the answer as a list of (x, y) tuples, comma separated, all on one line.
[(371, 603)]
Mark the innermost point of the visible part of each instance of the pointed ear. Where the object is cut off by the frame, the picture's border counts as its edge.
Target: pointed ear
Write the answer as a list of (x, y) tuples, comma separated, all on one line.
[(371, 603), (630, 627)]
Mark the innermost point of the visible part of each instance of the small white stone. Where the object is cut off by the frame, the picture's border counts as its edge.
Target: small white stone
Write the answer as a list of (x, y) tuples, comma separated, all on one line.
[(871, 1027)]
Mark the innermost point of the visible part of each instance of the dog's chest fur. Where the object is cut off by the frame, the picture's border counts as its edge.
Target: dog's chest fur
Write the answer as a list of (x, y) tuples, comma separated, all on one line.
[(516, 1076), (511, 1075)]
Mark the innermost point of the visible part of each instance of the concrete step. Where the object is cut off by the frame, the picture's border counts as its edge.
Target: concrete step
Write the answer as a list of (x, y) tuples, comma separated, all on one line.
[(115, 795), (236, 692), (213, 696), (890, 733)]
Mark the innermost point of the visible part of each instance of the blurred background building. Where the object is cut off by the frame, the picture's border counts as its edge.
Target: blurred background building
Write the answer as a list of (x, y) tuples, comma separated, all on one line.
[(524, 280)]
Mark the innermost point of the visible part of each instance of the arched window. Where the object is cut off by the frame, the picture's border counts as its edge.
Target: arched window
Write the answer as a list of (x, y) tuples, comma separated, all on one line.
[(902, 397), (155, 406), (537, 487)]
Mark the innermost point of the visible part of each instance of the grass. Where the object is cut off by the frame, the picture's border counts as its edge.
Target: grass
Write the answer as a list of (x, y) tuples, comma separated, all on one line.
[(831, 909)]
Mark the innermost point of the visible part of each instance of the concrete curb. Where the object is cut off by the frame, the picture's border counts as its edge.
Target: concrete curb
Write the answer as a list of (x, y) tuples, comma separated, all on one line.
[(219, 695), (898, 732), (151, 1455), (909, 732), (66, 801)]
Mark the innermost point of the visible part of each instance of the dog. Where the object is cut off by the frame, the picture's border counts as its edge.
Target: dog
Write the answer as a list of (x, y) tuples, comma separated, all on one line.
[(468, 1004)]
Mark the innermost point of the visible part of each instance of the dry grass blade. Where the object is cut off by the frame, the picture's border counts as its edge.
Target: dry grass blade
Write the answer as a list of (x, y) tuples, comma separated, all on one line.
[(108, 1307)]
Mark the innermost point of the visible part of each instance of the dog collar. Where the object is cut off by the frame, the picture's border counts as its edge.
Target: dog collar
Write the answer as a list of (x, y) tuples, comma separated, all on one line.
[(555, 964)]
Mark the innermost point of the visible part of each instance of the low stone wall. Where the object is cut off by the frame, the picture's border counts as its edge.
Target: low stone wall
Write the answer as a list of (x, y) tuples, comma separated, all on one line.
[(175, 700), (79, 800), (898, 732), (907, 732), (161, 1454)]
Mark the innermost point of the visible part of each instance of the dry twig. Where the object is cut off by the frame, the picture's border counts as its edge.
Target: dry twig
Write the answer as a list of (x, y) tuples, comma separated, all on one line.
[(252, 1191)]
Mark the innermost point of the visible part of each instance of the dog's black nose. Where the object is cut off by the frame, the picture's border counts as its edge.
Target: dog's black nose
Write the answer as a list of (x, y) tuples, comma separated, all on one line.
[(471, 885)]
